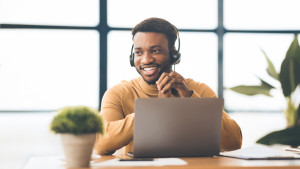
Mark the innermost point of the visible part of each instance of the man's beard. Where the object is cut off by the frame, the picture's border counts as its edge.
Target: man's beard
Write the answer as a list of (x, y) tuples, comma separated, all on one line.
[(152, 82)]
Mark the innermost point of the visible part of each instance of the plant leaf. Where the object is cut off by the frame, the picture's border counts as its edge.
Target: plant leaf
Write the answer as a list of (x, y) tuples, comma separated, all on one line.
[(290, 69), (265, 84), (251, 90), (77, 120), (271, 69), (291, 53), (289, 136), (291, 112), (298, 116), (297, 66)]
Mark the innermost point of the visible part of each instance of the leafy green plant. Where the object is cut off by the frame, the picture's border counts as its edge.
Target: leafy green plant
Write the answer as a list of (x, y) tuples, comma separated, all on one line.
[(289, 78), (77, 120), (289, 136)]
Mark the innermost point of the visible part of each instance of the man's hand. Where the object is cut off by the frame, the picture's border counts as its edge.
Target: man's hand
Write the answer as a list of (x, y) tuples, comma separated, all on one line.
[(172, 85), (165, 95)]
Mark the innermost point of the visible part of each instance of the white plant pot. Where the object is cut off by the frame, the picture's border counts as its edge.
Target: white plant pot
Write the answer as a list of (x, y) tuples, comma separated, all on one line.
[(78, 149)]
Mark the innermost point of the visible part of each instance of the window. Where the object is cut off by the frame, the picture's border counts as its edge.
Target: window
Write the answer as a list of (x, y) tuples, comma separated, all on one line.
[(253, 25), (244, 62), (50, 12), (262, 15), (190, 14), (57, 53), (46, 69)]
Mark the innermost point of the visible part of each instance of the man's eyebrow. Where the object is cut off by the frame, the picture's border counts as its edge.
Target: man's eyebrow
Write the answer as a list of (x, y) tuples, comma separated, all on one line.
[(154, 46)]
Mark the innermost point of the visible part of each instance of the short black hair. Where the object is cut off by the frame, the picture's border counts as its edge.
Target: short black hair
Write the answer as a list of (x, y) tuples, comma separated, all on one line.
[(157, 25)]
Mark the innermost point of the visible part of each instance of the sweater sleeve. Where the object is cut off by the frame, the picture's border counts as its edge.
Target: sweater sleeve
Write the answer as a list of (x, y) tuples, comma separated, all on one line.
[(231, 135), (119, 127)]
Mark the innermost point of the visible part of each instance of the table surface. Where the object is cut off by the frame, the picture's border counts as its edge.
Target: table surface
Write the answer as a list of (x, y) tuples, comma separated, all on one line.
[(192, 163)]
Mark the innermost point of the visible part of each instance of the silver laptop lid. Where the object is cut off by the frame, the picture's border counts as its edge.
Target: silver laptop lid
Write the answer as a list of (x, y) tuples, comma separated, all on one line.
[(177, 127)]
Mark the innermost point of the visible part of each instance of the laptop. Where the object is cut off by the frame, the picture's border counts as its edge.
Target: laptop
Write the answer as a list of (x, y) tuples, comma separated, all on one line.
[(177, 127)]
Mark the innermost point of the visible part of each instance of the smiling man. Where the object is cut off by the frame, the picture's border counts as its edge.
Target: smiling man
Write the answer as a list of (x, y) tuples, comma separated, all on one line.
[(153, 54)]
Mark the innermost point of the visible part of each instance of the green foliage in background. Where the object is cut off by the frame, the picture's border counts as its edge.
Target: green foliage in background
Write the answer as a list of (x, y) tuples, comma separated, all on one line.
[(77, 120), (289, 136), (289, 78)]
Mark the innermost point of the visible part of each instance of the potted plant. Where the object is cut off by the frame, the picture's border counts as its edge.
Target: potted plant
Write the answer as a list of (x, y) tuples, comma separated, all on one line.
[(289, 78), (78, 126)]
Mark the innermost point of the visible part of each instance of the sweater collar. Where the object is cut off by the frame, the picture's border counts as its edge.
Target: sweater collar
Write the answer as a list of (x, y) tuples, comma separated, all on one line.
[(148, 89)]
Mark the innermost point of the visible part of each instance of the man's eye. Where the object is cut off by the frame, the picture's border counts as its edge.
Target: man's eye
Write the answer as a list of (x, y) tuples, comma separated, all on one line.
[(156, 51), (137, 52)]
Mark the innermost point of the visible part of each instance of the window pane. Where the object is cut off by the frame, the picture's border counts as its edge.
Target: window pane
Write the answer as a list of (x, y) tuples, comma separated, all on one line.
[(48, 69), (258, 14), (118, 65), (183, 14), (50, 12), (244, 62), (198, 61), (199, 58)]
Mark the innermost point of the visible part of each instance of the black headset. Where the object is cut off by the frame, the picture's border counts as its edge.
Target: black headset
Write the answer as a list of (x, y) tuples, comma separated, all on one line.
[(174, 54)]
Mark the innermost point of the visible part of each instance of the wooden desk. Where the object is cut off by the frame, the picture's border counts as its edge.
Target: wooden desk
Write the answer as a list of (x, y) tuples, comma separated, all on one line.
[(193, 163)]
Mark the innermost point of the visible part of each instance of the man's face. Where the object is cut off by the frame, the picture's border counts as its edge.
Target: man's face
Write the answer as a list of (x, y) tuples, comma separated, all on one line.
[(151, 55)]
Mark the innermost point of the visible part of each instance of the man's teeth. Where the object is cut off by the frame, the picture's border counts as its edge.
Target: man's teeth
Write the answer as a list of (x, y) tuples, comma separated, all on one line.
[(149, 68)]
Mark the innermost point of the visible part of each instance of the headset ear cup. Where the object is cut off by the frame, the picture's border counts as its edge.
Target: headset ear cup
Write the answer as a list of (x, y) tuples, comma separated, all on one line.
[(178, 57), (131, 59), (175, 57)]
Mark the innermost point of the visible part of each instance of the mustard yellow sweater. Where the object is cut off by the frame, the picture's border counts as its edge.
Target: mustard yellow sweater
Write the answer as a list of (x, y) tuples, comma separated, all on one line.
[(117, 110)]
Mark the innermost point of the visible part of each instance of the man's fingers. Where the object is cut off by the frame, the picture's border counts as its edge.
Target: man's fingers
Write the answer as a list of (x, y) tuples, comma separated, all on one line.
[(163, 81), (176, 75), (162, 76), (165, 95), (177, 85), (172, 83)]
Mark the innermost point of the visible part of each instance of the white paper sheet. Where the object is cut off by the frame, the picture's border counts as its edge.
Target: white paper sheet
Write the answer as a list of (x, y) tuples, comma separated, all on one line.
[(155, 162)]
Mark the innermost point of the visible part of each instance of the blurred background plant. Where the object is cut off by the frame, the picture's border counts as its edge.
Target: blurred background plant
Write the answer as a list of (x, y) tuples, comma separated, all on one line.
[(289, 78), (77, 120)]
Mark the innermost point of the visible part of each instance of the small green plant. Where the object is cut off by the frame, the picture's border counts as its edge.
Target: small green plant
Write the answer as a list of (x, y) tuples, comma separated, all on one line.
[(289, 78), (77, 120)]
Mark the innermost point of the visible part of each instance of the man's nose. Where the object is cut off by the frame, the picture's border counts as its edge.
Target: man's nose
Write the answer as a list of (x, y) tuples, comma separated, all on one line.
[(147, 58)]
